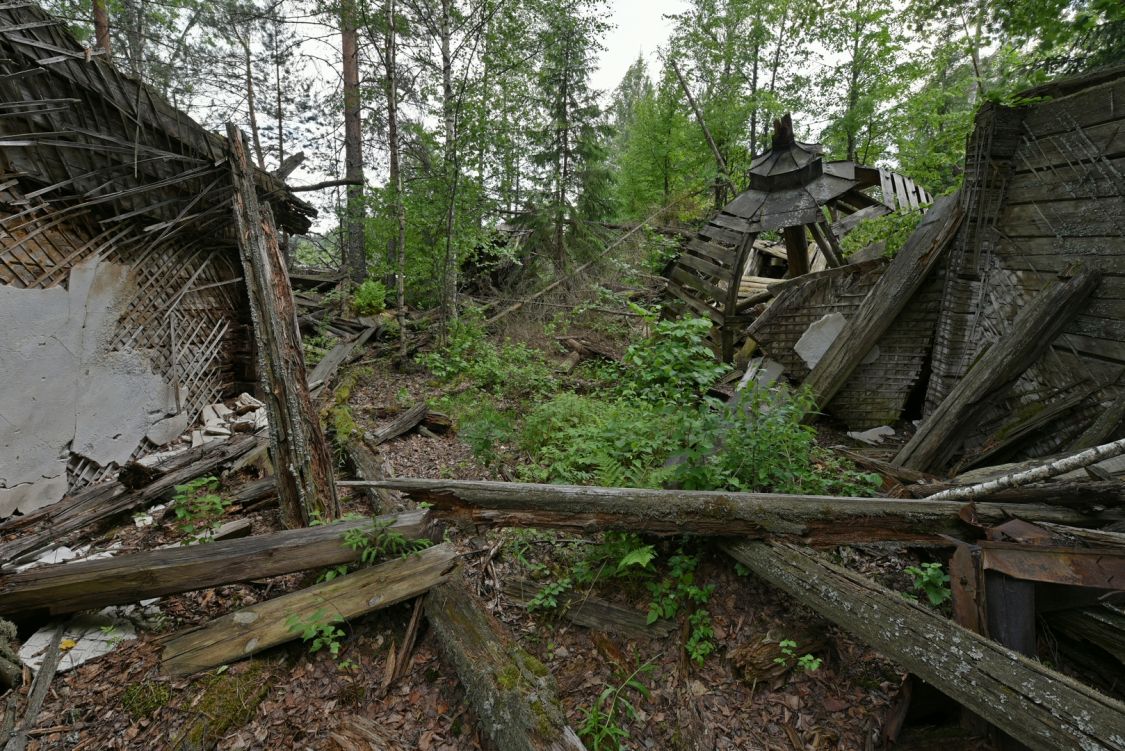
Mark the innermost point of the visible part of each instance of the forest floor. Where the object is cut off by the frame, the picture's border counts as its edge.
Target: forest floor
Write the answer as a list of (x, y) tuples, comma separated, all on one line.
[(741, 696)]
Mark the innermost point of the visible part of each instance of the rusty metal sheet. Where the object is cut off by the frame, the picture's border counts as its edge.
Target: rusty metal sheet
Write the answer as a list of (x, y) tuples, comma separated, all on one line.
[(965, 584), (1017, 530), (1079, 567)]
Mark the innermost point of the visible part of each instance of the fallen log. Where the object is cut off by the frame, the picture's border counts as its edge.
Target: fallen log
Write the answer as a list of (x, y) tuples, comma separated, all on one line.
[(326, 369), (1037, 706), (1035, 474), (512, 693), (1031, 333), (819, 520), (249, 630), (70, 587), (404, 422), (97, 506)]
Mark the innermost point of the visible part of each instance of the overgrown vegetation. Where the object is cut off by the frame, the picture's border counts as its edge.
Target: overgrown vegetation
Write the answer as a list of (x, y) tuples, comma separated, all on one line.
[(603, 723), (198, 508)]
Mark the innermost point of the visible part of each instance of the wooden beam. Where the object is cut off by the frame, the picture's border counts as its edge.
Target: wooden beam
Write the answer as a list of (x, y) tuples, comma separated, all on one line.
[(71, 587), (885, 301), (820, 520), (249, 630), (298, 448), (513, 694), (1035, 705), (1030, 335)]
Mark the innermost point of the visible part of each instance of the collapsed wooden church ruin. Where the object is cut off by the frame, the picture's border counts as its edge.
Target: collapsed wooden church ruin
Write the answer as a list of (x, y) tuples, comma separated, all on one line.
[(121, 290), (140, 281)]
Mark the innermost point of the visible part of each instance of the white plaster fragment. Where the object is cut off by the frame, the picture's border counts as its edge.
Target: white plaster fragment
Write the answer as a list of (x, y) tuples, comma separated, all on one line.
[(874, 436), (818, 337)]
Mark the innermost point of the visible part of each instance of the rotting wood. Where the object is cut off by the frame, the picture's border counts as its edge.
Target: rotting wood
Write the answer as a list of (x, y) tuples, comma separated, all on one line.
[(326, 369), (513, 694), (301, 457), (1037, 706), (1035, 474), (403, 423), (249, 630), (71, 587), (1107, 422), (1074, 494), (819, 520), (1030, 335), (890, 295), (38, 692), (1102, 626), (367, 464), (592, 612), (97, 506)]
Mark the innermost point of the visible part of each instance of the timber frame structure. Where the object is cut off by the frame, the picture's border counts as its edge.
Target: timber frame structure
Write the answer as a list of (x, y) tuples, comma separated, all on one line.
[(725, 269), (97, 172)]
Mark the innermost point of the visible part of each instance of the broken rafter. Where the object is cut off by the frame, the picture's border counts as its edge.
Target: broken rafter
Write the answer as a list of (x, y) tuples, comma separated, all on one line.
[(71, 587), (249, 630), (819, 520), (1032, 332)]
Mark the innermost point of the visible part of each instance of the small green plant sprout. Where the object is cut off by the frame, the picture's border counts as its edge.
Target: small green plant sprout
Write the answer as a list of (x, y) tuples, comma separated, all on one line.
[(547, 598), (806, 662), (678, 590), (319, 629), (375, 544), (809, 664), (930, 578), (198, 507), (603, 727)]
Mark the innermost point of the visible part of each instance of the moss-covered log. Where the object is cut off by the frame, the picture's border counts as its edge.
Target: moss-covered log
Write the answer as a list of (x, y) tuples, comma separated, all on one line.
[(512, 693), (1043, 709), (818, 520)]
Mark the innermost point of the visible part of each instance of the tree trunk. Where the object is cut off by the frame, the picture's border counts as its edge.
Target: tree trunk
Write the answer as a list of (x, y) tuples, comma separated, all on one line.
[(452, 169), (820, 520), (251, 109), (355, 248), (101, 27), (395, 172), (1035, 705)]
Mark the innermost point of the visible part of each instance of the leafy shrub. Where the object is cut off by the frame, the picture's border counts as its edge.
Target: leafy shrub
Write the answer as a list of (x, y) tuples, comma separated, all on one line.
[(931, 579), (370, 298), (514, 370), (198, 508), (582, 440), (761, 446), (485, 429), (894, 229), (674, 364)]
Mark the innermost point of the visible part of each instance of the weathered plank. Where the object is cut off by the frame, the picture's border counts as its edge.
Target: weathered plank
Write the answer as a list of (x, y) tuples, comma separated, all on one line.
[(513, 694), (885, 301), (301, 457), (97, 506), (249, 630), (402, 423), (70, 587), (1037, 706), (821, 520), (1031, 333)]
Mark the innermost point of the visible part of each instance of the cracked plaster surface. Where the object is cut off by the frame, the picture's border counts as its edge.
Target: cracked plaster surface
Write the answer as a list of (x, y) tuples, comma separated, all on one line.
[(63, 390)]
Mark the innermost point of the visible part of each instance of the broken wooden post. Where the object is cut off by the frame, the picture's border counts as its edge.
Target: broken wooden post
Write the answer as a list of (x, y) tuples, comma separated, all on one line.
[(70, 587), (895, 288), (512, 693), (1034, 704), (819, 520), (249, 630), (1002, 363), (796, 250), (300, 453)]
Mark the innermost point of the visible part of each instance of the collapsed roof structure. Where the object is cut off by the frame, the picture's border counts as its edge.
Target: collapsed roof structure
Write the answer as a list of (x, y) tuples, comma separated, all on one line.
[(1001, 317), (721, 273), (120, 283)]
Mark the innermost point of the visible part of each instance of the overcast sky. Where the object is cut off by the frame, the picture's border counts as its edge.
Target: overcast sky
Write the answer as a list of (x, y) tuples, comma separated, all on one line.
[(638, 27)]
